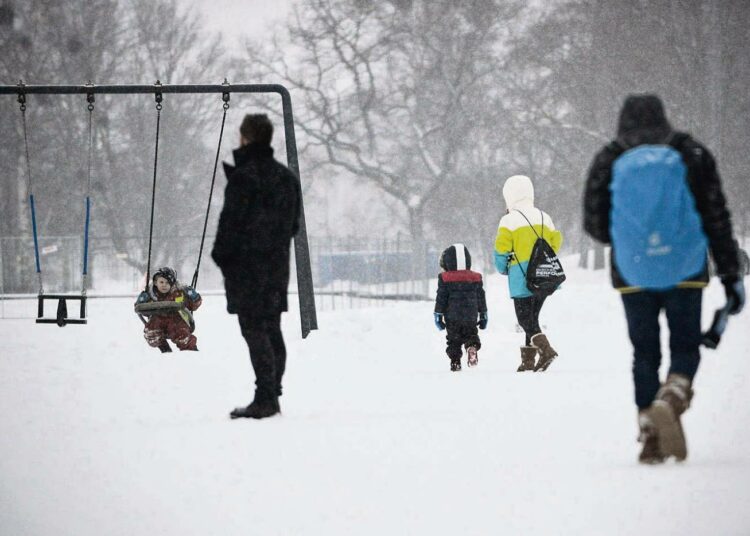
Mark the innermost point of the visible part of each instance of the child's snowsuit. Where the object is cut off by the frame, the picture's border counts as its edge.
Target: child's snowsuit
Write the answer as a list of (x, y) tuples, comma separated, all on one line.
[(460, 299), (174, 326)]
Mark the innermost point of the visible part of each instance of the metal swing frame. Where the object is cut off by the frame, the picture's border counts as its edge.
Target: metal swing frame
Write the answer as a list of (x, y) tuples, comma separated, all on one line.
[(308, 315)]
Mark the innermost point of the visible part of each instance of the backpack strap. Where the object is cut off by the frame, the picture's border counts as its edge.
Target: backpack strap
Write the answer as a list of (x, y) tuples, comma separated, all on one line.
[(532, 227)]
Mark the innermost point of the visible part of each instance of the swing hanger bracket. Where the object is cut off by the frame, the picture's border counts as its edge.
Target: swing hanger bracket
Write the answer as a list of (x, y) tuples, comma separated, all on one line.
[(225, 95), (22, 95), (158, 95), (90, 97)]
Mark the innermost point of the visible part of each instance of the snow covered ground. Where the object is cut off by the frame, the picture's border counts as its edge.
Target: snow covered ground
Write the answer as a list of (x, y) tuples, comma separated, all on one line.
[(103, 435)]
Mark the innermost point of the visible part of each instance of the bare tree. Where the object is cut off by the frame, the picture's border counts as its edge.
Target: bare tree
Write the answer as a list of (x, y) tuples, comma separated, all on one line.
[(397, 94), (136, 42)]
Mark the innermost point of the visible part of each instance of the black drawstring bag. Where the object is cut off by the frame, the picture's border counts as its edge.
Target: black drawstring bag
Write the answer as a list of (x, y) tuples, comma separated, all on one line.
[(544, 272)]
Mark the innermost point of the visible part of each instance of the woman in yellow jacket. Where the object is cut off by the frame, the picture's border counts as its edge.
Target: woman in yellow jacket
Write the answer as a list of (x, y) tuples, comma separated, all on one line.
[(516, 234)]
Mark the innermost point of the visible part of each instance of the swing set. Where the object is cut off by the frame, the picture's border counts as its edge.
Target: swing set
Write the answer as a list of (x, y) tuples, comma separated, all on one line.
[(308, 317)]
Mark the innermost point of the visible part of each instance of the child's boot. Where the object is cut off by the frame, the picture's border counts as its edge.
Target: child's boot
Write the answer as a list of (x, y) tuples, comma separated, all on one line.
[(455, 364), (651, 453), (672, 400), (528, 356), (473, 358), (547, 354)]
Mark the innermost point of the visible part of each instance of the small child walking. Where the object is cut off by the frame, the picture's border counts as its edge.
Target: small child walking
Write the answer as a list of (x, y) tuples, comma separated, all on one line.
[(460, 305), (176, 325)]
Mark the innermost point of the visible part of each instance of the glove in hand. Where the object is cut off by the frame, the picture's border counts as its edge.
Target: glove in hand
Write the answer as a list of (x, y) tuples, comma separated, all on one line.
[(735, 291), (439, 323), (483, 319)]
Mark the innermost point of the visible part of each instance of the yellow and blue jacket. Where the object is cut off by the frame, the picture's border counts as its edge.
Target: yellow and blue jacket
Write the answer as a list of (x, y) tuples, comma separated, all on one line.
[(515, 240)]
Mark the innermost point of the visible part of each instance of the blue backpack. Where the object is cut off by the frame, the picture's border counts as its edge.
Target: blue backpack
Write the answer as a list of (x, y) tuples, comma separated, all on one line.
[(657, 233)]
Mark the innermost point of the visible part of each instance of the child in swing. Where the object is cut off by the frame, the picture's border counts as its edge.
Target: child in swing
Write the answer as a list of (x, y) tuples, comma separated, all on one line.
[(177, 325), (460, 305)]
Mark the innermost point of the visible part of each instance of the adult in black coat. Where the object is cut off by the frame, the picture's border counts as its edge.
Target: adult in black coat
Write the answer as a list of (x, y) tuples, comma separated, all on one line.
[(259, 218), (643, 122)]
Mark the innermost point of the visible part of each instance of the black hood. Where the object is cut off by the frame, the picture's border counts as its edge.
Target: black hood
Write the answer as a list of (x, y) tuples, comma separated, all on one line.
[(642, 120)]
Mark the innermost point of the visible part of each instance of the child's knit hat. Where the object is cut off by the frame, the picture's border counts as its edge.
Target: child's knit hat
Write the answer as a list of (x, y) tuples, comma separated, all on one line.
[(456, 257)]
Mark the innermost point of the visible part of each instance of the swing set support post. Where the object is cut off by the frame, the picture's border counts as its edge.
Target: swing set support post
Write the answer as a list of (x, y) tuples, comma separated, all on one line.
[(308, 315)]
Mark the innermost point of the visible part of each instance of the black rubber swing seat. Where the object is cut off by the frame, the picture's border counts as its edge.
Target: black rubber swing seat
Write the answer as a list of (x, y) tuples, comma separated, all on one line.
[(61, 318), (158, 308), (150, 309)]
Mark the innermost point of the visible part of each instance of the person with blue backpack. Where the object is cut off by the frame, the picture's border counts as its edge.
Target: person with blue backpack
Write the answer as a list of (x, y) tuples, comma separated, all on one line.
[(655, 195)]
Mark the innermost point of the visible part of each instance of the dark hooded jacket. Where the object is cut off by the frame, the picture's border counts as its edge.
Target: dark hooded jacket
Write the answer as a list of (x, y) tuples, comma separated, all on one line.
[(643, 121), (260, 216), (460, 294)]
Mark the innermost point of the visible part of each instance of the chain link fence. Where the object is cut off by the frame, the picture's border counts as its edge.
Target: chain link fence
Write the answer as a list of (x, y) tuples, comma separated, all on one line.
[(347, 272)]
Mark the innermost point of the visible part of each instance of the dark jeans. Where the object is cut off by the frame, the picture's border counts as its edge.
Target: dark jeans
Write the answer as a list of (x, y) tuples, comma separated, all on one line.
[(267, 352), (527, 313), (683, 310), (461, 334)]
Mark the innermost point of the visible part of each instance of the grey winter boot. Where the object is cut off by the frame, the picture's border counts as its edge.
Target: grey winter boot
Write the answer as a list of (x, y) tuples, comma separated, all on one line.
[(473, 358), (672, 400), (651, 453), (528, 357), (547, 354)]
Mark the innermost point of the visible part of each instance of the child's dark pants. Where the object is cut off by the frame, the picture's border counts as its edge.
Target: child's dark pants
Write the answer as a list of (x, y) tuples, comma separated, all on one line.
[(527, 313), (461, 334), (683, 310)]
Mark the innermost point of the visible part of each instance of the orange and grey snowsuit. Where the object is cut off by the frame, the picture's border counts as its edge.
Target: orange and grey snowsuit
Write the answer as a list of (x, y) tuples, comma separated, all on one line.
[(174, 326)]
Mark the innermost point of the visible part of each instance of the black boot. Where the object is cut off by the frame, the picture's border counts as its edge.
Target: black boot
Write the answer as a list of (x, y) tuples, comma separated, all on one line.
[(456, 364), (260, 408)]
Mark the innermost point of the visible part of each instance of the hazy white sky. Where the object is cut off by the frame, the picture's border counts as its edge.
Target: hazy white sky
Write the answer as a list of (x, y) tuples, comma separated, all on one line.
[(239, 18)]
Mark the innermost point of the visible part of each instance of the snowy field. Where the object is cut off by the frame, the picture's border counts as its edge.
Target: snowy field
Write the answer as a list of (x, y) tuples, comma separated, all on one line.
[(102, 435)]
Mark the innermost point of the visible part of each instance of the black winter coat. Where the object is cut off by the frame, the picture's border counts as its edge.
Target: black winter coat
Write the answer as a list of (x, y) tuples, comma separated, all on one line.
[(260, 216), (642, 122), (460, 296)]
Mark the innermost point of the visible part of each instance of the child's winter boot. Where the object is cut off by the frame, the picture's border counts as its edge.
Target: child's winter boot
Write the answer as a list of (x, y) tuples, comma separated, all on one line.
[(528, 356), (456, 364), (473, 358), (547, 354), (651, 453), (672, 399)]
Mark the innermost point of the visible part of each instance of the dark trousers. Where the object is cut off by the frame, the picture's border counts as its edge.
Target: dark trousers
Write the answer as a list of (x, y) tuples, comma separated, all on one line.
[(267, 352), (527, 313), (461, 334), (683, 310)]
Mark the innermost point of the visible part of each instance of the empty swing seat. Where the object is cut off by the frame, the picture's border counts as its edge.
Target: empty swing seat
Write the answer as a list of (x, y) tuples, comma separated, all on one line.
[(61, 318)]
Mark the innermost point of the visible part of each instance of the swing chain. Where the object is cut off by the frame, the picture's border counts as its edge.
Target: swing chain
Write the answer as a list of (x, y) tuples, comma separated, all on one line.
[(225, 98)]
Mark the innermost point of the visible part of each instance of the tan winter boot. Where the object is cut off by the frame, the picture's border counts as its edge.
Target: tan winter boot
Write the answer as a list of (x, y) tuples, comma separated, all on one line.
[(651, 453), (528, 356), (547, 354), (672, 399)]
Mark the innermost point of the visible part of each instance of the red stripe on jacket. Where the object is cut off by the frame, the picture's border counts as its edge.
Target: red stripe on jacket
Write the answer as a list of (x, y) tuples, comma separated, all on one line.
[(461, 276)]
